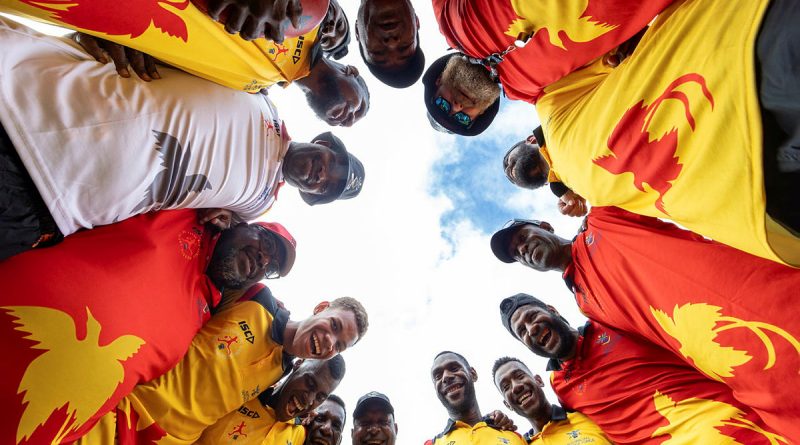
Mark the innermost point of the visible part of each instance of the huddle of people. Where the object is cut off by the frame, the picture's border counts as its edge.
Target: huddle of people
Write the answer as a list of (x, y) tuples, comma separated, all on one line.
[(686, 110)]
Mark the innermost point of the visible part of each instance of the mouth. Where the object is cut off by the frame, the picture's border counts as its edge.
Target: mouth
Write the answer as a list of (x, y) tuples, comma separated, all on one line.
[(337, 115), (526, 397), (452, 390), (543, 341), (295, 407), (320, 441), (248, 264), (316, 346)]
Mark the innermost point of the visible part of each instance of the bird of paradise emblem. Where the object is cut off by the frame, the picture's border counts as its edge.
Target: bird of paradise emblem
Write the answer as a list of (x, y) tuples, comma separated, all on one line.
[(653, 161), (573, 19), (87, 374), (700, 421), (696, 326)]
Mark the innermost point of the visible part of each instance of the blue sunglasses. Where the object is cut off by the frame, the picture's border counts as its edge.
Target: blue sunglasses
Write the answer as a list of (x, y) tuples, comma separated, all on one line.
[(459, 117)]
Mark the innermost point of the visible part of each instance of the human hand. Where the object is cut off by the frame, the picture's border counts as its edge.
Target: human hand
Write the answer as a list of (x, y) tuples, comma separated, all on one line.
[(499, 420), (220, 218), (143, 64), (252, 19), (572, 204)]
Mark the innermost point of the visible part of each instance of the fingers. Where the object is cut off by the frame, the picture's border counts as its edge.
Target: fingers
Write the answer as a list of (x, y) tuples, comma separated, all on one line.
[(117, 54), (91, 46), (294, 12), (235, 20), (215, 8), (150, 67), (251, 29), (137, 62)]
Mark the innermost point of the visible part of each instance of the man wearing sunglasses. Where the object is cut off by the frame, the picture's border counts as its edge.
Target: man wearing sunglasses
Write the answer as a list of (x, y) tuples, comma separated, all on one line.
[(686, 294)]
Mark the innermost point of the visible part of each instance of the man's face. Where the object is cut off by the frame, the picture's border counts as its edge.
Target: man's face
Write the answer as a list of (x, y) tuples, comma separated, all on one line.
[(334, 27), (243, 256), (313, 168), (536, 247), (542, 331), (454, 382), (522, 392), (305, 389), (374, 427), (466, 87), (342, 98), (326, 427), (525, 167), (326, 333), (387, 32)]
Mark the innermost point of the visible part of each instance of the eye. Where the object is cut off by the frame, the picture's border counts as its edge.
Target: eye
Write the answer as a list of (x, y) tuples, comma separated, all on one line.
[(334, 325), (340, 346), (321, 397), (312, 385), (437, 376)]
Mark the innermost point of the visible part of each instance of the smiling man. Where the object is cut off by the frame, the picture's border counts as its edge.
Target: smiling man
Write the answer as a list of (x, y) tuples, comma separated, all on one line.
[(388, 39), (648, 278), (373, 420), (454, 381), (635, 391), (522, 391), (243, 350), (271, 418), (127, 147)]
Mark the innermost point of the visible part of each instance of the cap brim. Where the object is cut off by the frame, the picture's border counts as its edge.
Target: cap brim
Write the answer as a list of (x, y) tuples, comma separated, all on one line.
[(373, 401), (479, 125), (499, 243), (289, 254)]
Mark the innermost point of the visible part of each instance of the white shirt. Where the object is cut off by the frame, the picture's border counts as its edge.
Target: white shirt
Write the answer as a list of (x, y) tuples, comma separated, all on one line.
[(101, 148)]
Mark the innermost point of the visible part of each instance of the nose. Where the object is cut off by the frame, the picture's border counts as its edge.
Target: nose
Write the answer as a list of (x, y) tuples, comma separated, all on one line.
[(517, 387), (263, 258), (325, 429), (456, 106), (447, 377)]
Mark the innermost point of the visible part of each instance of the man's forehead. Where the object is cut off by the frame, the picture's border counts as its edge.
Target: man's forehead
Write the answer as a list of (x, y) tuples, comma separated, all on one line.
[(331, 408), (448, 358), (524, 310), (506, 369)]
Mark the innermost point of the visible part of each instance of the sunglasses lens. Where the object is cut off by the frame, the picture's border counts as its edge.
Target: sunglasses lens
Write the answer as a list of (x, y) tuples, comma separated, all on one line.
[(462, 118), (442, 104)]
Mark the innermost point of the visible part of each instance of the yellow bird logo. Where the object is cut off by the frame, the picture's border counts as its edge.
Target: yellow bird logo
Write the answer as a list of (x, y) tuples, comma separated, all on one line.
[(696, 325), (697, 421), (557, 16), (81, 374)]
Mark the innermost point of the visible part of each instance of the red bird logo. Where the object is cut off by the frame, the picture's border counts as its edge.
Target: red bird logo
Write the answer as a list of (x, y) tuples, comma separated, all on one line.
[(654, 163), (106, 17)]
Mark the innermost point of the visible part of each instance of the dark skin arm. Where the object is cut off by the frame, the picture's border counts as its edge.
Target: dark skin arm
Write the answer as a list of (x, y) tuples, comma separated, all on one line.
[(104, 51), (252, 19)]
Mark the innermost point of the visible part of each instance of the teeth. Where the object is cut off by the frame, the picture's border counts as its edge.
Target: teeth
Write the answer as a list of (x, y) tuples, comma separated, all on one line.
[(314, 344), (525, 397)]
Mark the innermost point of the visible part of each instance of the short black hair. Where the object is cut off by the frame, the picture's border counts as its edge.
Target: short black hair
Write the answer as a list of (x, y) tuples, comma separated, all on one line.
[(502, 361), (401, 77), (338, 400), (336, 366), (460, 357)]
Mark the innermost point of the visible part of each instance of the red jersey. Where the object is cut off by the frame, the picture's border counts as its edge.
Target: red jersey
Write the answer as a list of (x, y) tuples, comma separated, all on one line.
[(725, 312), (87, 320), (638, 393), (567, 34)]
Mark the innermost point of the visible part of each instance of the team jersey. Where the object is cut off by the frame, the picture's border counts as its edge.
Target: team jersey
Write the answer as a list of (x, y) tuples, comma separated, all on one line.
[(88, 319), (721, 310), (460, 433), (253, 423), (639, 393), (181, 35), (237, 355), (567, 428), (675, 137), (101, 148), (566, 35)]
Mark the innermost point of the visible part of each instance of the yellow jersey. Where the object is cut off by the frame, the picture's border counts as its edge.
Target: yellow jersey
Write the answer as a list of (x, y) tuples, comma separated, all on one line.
[(254, 423), (460, 433)]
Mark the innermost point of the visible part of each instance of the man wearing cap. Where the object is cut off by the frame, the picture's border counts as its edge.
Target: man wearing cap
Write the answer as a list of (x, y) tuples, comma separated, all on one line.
[(117, 306), (550, 424), (651, 279), (454, 381), (240, 352), (526, 167), (388, 39), (635, 391), (373, 420), (154, 146), (554, 40)]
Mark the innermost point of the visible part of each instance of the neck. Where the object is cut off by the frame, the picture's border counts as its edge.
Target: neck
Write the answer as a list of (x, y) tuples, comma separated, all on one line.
[(319, 71), (565, 247), (470, 416), (574, 350), (289, 333), (540, 419)]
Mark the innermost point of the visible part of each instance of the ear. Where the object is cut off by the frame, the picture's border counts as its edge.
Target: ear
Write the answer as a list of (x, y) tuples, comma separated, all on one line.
[(438, 80), (473, 374), (506, 404), (325, 143), (417, 20), (546, 226), (321, 307), (532, 140), (538, 380), (553, 310), (297, 363), (395, 428), (358, 36)]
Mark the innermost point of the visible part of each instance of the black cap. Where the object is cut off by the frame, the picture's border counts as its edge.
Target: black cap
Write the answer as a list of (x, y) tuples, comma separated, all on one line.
[(374, 398), (398, 77), (350, 185), (501, 238), (509, 305), (440, 120)]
